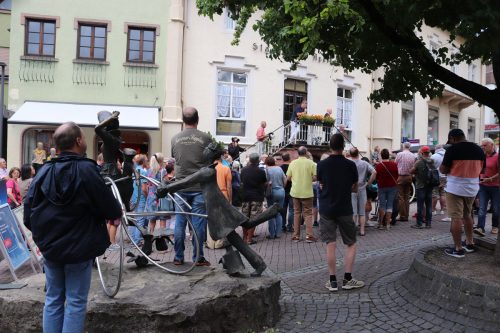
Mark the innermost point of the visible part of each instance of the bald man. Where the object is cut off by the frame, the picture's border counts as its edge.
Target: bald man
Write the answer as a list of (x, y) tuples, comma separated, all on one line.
[(187, 150)]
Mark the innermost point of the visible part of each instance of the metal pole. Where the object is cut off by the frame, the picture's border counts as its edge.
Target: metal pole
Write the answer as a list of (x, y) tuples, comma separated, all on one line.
[(2, 115)]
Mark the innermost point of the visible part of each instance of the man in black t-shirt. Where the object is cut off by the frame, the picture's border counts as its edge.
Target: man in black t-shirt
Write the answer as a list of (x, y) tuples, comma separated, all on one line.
[(335, 209), (253, 180)]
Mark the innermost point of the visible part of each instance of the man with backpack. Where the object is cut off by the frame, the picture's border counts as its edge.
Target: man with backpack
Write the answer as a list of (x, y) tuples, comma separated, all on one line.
[(427, 177)]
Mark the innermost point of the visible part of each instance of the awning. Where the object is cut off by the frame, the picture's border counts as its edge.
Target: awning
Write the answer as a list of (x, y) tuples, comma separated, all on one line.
[(47, 113)]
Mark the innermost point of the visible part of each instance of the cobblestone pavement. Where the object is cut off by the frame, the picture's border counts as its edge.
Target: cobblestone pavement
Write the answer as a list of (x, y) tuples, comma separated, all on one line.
[(383, 305)]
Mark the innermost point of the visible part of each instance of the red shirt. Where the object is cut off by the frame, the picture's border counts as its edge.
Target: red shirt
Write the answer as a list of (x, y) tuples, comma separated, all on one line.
[(387, 174), (491, 170), (261, 134)]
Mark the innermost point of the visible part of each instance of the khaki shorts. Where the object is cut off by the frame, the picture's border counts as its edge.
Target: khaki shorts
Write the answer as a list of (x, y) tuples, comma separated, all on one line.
[(438, 191), (458, 206), (328, 229)]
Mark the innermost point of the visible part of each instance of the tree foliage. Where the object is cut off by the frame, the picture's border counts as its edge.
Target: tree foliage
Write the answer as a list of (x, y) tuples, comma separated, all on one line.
[(381, 34)]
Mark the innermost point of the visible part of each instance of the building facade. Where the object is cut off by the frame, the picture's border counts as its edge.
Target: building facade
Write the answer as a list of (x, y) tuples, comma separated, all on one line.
[(75, 58), (72, 59)]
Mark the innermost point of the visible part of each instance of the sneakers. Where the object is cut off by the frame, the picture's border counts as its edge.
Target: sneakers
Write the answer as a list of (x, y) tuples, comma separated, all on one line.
[(442, 212), (202, 262), (417, 226), (315, 224), (331, 285), (311, 239), (114, 247), (352, 284), (295, 239), (494, 230), (455, 253), (469, 248), (446, 219), (178, 262), (479, 231)]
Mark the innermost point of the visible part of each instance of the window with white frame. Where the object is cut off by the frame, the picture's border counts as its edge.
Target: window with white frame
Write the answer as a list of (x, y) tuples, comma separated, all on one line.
[(472, 72), (408, 119), (471, 130), (453, 120), (231, 102), (229, 23), (433, 126), (344, 107)]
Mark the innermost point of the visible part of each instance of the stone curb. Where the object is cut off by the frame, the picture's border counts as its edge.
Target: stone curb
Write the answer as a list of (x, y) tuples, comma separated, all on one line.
[(467, 299)]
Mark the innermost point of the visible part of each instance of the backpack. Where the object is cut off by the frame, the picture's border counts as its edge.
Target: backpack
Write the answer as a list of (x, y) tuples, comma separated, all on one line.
[(432, 174)]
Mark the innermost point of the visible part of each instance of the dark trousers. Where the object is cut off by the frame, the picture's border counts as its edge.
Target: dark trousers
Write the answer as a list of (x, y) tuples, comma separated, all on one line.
[(284, 210), (424, 201)]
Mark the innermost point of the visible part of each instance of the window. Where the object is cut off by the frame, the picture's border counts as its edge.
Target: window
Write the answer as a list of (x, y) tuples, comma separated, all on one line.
[(229, 23), (40, 39), (433, 127), (344, 107), (453, 120), (472, 72), (231, 103), (141, 45), (92, 41), (407, 119), (30, 139), (471, 130)]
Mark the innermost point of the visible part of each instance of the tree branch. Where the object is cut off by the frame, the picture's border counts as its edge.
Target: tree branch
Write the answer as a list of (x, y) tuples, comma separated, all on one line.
[(418, 51)]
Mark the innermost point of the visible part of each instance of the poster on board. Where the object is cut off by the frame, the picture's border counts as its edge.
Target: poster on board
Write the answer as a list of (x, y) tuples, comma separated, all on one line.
[(3, 191), (12, 243), (19, 215)]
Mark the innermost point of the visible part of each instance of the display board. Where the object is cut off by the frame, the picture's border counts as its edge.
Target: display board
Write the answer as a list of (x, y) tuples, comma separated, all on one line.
[(19, 215), (12, 244)]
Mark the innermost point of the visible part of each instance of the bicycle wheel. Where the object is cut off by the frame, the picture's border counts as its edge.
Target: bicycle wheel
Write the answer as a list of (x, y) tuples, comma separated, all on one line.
[(412, 192), (152, 261), (110, 264)]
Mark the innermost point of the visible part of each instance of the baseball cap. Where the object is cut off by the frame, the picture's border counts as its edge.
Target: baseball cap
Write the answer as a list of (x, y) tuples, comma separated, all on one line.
[(456, 132), (425, 149)]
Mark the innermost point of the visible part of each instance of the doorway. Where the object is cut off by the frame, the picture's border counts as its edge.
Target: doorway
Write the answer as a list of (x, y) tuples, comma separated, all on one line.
[(295, 92)]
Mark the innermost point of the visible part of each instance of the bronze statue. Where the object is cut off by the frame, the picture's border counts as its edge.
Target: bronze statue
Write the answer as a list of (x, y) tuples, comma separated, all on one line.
[(223, 218), (108, 131)]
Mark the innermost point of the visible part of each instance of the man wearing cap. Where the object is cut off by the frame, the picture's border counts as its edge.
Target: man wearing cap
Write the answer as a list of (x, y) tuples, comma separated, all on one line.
[(462, 163), (405, 161), (424, 190), (234, 148)]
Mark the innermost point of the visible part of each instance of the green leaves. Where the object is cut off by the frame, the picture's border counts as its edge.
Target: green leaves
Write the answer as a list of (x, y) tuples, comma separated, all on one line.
[(373, 34)]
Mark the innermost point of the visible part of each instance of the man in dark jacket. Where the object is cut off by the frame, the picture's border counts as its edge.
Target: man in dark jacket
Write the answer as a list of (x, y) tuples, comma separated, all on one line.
[(66, 208)]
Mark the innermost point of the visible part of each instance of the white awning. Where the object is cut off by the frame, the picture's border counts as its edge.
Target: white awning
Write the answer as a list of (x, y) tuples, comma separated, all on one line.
[(47, 113)]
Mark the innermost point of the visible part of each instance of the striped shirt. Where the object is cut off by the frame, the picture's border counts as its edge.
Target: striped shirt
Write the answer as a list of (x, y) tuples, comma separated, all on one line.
[(405, 161), (465, 160)]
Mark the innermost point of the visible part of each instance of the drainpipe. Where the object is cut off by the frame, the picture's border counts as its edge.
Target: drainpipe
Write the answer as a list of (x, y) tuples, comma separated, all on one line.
[(372, 110), (2, 114)]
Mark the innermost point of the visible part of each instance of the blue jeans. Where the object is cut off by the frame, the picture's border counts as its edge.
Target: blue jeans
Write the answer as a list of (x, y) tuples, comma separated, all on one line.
[(142, 221), (424, 197), (70, 284), (275, 224), (487, 193), (197, 202), (386, 198)]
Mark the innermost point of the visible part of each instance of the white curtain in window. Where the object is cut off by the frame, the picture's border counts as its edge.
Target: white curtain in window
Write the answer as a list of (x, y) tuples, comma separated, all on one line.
[(347, 113), (239, 93), (223, 100)]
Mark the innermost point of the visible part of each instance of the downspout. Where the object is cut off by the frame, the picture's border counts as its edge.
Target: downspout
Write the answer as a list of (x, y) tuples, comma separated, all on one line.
[(372, 110), (184, 18)]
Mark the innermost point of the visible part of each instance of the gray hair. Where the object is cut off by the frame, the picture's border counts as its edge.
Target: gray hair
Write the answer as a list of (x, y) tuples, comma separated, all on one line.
[(489, 140), (302, 151), (406, 145), (439, 146), (254, 158)]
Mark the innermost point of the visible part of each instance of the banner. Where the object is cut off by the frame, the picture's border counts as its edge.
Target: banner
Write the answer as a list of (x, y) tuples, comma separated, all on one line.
[(3, 191), (12, 242), (19, 215)]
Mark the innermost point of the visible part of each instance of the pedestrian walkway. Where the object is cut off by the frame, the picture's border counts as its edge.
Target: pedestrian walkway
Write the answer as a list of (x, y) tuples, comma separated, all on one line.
[(383, 305)]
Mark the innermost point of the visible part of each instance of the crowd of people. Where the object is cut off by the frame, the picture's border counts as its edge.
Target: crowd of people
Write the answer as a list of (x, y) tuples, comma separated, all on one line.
[(337, 192)]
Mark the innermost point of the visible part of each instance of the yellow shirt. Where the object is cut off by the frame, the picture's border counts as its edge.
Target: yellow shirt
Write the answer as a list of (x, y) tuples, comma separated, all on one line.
[(301, 172)]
